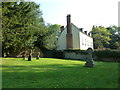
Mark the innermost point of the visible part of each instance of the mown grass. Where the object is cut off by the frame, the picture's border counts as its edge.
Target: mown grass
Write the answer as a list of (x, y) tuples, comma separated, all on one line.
[(57, 73)]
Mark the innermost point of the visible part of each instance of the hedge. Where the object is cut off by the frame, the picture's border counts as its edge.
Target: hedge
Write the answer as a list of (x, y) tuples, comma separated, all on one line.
[(107, 55)]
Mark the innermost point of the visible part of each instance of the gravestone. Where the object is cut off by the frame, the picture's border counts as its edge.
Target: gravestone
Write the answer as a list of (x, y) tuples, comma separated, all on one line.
[(23, 54), (38, 56), (30, 55), (89, 59)]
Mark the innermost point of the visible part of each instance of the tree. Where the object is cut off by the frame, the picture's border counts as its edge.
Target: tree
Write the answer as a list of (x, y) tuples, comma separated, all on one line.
[(50, 41), (115, 37), (24, 28), (101, 36), (20, 21)]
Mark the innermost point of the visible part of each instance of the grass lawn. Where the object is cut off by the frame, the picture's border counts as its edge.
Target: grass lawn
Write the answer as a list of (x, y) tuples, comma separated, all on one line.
[(57, 73)]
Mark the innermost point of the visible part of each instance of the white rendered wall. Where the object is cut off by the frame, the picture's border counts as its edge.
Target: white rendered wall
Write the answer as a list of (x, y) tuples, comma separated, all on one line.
[(85, 41), (80, 40), (76, 41), (61, 45)]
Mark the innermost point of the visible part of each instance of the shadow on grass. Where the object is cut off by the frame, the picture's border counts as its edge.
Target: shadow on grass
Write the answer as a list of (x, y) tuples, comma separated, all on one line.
[(45, 76), (54, 66), (71, 59)]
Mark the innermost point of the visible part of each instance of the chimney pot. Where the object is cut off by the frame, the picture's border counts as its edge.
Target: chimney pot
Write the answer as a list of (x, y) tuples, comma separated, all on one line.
[(62, 28), (85, 32), (90, 34), (81, 29)]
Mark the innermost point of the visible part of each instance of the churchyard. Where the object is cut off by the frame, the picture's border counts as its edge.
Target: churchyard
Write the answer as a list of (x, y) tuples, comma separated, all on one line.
[(58, 73), (38, 54)]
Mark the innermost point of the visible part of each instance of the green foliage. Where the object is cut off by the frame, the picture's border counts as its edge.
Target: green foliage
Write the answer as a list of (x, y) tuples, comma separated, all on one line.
[(111, 55), (115, 37), (50, 41), (57, 73), (49, 54), (53, 54), (76, 51), (21, 21), (59, 54), (101, 36), (106, 37), (47, 42)]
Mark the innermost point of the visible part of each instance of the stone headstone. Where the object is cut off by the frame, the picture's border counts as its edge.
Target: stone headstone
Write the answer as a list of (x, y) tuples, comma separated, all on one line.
[(89, 59), (30, 55), (38, 56)]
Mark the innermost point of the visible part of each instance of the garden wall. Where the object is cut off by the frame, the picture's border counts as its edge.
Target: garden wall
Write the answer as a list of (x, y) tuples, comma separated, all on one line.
[(73, 55), (98, 55)]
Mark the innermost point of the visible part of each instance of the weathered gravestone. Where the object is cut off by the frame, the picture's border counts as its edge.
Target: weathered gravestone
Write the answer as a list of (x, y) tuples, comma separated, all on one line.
[(89, 59), (30, 55), (38, 56), (23, 54)]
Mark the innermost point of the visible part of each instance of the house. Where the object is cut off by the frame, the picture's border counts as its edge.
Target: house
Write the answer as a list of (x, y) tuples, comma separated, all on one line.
[(72, 37)]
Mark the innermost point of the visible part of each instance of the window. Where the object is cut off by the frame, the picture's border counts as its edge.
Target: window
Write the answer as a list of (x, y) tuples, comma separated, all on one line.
[(85, 42), (82, 41)]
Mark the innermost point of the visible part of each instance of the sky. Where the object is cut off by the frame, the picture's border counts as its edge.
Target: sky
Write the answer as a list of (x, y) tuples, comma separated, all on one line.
[(84, 13)]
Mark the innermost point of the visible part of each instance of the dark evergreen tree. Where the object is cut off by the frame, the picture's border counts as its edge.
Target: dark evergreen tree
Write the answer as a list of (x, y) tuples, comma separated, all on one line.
[(20, 22)]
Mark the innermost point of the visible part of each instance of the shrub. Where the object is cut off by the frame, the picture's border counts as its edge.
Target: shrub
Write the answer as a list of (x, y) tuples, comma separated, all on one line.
[(76, 51), (59, 54), (48, 54), (107, 55), (53, 54)]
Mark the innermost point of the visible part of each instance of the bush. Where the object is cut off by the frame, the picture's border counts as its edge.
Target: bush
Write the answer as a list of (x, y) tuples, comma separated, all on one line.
[(107, 55), (48, 54), (76, 51), (59, 54), (53, 54)]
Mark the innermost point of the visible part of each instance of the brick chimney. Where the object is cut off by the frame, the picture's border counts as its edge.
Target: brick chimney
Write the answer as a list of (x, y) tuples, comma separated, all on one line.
[(69, 37)]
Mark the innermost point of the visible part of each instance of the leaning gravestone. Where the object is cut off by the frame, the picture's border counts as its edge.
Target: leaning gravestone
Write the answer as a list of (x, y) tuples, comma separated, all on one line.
[(89, 59), (23, 54)]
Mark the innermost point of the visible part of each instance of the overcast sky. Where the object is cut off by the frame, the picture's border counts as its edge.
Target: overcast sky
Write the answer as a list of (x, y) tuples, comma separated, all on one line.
[(84, 13)]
